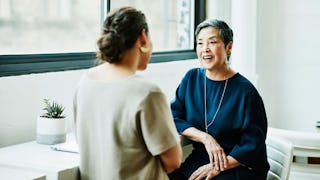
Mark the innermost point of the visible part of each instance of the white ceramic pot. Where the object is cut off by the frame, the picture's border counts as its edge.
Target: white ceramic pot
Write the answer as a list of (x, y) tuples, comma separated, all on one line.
[(51, 131)]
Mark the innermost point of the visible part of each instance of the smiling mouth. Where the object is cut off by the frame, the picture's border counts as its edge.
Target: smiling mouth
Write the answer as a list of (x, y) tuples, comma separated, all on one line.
[(207, 58)]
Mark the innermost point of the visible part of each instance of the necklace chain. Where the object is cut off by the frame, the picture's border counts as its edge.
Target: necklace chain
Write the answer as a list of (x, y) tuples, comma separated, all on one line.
[(205, 103)]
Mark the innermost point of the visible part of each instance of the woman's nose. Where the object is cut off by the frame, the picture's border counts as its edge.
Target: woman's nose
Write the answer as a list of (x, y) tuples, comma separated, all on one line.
[(205, 48)]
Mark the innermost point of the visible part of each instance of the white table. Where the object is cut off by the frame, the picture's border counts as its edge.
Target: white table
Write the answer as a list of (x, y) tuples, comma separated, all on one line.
[(37, 161), (14, 173)]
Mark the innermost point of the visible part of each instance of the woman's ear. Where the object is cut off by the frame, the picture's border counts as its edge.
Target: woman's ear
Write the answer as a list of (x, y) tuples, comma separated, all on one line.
[(143, 38), (143, 41), (229, 47)]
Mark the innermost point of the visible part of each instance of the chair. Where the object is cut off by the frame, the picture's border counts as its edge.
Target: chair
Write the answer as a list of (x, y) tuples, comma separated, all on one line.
[(280, 155), (186, 147), (305, 145)]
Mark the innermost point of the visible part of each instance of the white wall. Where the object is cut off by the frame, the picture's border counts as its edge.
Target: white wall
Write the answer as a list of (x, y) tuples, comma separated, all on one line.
[(21, 96), (21, 102), (287, 62), (284, 64)]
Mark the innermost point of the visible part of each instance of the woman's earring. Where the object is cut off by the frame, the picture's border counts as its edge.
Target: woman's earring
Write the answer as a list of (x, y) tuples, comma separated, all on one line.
[(227, 62), (144, 49)]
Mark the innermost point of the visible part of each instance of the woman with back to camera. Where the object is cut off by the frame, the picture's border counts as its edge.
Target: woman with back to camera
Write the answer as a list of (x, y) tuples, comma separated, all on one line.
[(221, 112), (123, 123)]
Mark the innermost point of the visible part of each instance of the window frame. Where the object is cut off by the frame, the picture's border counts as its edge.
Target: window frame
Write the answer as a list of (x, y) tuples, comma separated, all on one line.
[(20, 64)]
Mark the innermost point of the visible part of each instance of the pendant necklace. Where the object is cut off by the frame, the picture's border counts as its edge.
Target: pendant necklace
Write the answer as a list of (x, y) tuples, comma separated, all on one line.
[(205, 103)]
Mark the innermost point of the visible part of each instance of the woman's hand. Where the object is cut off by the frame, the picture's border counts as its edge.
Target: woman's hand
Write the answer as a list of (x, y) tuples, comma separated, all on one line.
[(217, 157), (206, 171), (216, 154)]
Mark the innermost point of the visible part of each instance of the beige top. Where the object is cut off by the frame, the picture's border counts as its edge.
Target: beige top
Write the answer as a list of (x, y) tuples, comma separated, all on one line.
[(121, 128)]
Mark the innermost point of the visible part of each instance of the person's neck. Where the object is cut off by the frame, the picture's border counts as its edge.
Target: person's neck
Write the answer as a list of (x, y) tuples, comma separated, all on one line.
[(219, 74), (120, 70), (107, 72)]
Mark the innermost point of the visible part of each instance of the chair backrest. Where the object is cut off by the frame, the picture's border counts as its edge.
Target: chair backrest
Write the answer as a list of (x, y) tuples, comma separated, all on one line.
[(280, 155)]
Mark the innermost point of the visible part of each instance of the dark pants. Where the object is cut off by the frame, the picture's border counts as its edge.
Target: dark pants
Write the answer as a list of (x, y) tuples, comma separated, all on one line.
[(176, 175)]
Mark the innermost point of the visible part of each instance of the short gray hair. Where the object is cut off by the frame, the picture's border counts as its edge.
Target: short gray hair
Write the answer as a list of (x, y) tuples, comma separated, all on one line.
[(225, 31)]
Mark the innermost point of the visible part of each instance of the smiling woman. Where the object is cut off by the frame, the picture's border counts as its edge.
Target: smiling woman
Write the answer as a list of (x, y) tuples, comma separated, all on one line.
[(221, 112), (61, 36)]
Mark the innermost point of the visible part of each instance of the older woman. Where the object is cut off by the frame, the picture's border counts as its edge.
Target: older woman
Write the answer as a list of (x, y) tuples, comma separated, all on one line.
[(221, 112)]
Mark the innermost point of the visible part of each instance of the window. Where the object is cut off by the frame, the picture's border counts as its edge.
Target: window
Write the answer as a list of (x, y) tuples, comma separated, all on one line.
[(48, 26), (54, 35), (170, 22)]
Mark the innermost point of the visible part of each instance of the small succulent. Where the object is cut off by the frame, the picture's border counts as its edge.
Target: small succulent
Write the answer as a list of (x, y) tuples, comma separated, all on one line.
[(52, 110)]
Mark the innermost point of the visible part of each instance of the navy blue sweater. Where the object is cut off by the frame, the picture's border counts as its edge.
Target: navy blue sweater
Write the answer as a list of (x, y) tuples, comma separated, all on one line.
[(240, 126)]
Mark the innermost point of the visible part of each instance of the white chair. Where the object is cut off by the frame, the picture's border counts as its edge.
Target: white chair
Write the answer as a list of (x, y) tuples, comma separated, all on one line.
[(280, 155), (305, 145)]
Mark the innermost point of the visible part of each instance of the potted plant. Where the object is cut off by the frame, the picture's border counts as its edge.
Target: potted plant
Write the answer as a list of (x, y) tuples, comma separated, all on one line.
[(51, 125)]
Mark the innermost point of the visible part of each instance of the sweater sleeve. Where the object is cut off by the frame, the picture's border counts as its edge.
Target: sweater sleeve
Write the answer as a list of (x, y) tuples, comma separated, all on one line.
[(178, 108), (157, 125), (251, 148)]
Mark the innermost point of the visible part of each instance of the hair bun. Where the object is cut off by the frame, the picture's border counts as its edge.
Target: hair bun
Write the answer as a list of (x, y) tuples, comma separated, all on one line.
[(120, 31)]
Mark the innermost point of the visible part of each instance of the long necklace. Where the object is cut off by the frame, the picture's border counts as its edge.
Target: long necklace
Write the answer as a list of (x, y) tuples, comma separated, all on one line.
[(205, 103)]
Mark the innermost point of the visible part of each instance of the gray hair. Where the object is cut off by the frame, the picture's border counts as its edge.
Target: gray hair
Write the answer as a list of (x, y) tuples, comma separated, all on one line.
[(225, 31)]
